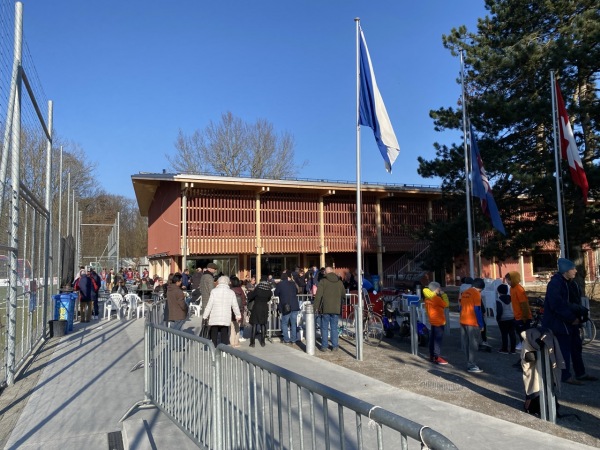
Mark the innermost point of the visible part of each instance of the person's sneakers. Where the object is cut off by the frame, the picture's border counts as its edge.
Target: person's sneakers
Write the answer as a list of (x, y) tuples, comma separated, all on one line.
[(335, 349), (242, 339), (474, 369), (323, 349), (519, 347), (587, 378), (441, 361), (574, 382), (503, 352)]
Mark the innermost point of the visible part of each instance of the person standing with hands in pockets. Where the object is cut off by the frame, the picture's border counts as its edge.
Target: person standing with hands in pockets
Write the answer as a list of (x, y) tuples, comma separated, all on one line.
[(471, 322)]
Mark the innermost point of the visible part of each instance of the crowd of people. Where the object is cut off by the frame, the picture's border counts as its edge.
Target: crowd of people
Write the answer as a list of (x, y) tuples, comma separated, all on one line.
[(229, 304), (563, 315)]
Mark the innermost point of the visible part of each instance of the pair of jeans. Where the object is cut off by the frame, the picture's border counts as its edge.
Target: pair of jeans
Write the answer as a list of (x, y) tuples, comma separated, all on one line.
[(289, 323), (470, 337), (329, 325), (435, 340)]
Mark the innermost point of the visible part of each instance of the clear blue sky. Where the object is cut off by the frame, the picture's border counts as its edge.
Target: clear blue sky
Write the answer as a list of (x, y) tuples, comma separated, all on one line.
[(125, 76)]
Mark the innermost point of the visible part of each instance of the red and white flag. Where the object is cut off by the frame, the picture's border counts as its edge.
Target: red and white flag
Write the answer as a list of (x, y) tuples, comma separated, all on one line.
[(568, 147)]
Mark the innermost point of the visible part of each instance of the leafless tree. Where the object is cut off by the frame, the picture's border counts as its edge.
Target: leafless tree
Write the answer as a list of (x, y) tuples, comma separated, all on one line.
[(235, 148)]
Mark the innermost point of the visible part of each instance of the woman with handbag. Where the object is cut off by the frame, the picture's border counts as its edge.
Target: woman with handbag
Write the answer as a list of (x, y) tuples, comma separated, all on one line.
[(259, 314)]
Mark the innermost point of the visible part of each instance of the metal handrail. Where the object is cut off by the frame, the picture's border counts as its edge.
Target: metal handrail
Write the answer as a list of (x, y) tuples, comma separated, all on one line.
[(213, 395)]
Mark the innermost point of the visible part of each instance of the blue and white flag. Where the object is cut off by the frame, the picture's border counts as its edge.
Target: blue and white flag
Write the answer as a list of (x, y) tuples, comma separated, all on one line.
[(481, 186), (372, 112)]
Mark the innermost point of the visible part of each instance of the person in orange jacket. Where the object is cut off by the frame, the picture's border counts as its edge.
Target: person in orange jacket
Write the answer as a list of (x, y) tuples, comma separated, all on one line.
[(436, 301), (471, 322), (520, 305)]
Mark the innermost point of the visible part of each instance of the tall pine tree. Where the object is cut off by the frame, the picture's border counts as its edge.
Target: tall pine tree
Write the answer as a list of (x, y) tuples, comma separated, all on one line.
[(507, 80)]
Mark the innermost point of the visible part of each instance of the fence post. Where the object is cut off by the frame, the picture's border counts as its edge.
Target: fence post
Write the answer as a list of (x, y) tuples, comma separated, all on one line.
[(414, 332), (544, 372), (309, 324)]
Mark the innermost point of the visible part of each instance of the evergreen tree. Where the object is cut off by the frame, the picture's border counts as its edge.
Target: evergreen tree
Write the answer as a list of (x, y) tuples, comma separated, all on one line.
[(508, 95)]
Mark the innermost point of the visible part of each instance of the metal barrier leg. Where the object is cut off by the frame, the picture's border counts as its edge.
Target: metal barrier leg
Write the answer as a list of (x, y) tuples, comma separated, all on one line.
[(414, 332), (309, 324), (550, 397), (539, 368)]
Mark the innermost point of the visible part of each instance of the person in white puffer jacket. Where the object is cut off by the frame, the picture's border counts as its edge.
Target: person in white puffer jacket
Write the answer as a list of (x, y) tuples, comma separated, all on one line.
[(221, 302)]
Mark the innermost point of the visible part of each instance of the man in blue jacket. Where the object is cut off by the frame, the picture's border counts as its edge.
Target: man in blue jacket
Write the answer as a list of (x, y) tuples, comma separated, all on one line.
[(563, 315), (86, 303), (288, 307)]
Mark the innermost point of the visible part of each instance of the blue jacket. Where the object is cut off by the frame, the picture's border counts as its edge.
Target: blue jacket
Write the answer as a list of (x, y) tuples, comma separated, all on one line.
[(287, 293), (558, 315), (85, 288)]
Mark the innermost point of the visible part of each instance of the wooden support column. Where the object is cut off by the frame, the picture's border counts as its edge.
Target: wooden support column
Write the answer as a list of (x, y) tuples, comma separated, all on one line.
[(184, 224), (380, 248), (258, 243), (322, 249)]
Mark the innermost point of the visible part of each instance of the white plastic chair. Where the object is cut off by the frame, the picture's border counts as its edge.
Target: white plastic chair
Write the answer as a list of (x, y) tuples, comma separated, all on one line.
[(133, 300), (113, 303), (141, 309), (196, 309)]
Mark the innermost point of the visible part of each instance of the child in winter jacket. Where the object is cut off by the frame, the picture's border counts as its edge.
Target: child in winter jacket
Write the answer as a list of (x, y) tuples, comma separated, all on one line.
[(436, 301), (506, 320)]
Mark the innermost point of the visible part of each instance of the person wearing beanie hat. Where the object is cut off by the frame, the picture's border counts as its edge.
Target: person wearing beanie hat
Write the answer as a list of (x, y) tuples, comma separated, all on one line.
[(564, 265), (436, 301), (471, 323), (563, 316), (506, 320)]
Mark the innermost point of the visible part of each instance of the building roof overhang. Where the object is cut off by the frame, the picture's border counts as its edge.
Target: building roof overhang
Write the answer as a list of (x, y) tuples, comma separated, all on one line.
[(146, 184)]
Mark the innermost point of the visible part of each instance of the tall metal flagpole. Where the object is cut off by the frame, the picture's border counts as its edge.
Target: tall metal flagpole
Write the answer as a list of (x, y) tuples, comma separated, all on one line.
[(359, 308), (467, 167), (561, 229)]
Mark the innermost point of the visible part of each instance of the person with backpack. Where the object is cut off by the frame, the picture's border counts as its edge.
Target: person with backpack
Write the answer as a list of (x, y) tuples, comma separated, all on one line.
[(84, 286), (96, 282)]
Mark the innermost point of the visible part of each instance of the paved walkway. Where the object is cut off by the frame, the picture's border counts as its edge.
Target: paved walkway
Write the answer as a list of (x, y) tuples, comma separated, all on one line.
[(85, 386)]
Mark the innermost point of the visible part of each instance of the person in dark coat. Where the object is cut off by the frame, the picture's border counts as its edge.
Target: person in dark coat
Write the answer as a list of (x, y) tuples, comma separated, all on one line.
[(259, 315), (95, 288), (84, 286), (288, 307), (563, 316)]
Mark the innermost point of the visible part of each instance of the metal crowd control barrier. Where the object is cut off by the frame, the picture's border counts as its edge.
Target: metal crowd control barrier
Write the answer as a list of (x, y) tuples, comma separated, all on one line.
[(547, 397), (225, 398), (274, 324)]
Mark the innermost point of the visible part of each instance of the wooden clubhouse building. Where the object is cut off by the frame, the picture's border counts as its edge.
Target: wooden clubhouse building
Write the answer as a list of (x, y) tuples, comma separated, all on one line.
[(262, 226)]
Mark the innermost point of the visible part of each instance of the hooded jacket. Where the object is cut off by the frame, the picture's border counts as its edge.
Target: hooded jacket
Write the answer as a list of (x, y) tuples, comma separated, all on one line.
[(330, 295), (435, 306), (504, 309), (558, 315), (518, 298)]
